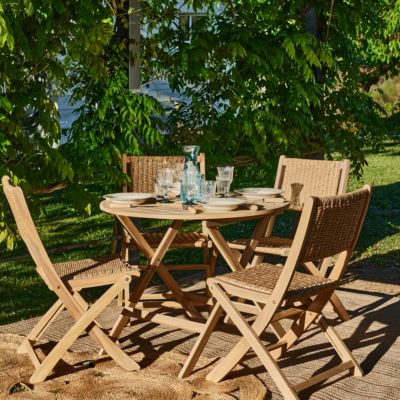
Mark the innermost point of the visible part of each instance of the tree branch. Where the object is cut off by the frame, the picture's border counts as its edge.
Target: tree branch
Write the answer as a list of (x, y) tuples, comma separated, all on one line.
[(50, 189)]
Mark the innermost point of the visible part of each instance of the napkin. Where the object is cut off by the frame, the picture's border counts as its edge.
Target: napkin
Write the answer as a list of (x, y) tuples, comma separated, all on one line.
[(112, 204), (274, 200)]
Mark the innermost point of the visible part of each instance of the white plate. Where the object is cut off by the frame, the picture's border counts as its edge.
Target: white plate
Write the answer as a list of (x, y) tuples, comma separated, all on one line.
[(259, 193), (129, 197), (221, 204)]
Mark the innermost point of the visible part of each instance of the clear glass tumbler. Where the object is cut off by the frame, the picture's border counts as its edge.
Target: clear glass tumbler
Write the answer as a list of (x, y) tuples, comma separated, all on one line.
[(165, 180), (223, 186), (224, 179), (209, 189)]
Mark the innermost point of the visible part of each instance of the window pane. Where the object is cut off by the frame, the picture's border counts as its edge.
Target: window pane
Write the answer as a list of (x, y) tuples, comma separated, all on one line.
[(184, 21), (196, 18)]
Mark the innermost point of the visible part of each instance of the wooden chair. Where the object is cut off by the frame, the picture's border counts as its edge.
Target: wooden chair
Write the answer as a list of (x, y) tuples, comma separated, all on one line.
[(328, 226), (142, 171), (66, 280), (300, 179)]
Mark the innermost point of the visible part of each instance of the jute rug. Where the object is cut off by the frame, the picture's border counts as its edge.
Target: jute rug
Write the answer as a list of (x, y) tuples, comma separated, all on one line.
[(372, 334)]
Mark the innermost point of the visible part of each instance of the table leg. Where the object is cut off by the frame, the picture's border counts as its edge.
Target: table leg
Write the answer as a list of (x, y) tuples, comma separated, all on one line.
[(155, 264), (259, 258), (227, 253), (258, 233)]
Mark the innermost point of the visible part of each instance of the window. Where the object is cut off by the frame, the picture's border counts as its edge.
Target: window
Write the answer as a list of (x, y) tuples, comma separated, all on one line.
[(187, 20)]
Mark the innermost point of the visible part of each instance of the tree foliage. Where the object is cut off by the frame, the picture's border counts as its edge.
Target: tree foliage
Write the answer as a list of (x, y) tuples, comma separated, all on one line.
[(259, 78), (52, 47), (268, 77)]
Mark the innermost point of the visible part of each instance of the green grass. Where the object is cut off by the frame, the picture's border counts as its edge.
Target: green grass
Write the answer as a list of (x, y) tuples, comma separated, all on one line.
[(23, 294), (379, 243), (386, 94)]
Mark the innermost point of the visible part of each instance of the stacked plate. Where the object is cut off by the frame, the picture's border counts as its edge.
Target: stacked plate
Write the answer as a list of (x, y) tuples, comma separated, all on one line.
[(129, 198), (259, 194), (221, 204)]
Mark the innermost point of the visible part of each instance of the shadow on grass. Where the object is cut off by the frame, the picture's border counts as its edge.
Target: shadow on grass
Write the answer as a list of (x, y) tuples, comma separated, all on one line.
[(381, 231), (382, 268)]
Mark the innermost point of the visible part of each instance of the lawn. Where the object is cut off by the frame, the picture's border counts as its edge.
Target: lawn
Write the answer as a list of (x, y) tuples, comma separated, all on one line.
[(376, 264)]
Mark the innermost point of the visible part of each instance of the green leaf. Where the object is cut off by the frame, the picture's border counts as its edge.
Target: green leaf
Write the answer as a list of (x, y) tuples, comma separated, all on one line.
[(3, 235), (10, 242), (289, 47)]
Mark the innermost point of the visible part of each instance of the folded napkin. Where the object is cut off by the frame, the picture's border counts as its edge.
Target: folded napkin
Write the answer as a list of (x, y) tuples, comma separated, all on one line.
[(112, 204), (274, 200)]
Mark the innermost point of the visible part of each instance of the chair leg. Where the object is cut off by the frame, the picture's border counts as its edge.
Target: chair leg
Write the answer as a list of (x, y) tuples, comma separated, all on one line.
[(126, 295), (41, 326), (278, 329), (206, 261), (81, 301), (301, 324), (342, 350), (255, 343), (213, 260), (120, 299), (259, 325), (124, 252), (114, 238), (137, 292), (119, 326), (334, 300), (201, 342), (339, 307), (86, 321), (324, 265)]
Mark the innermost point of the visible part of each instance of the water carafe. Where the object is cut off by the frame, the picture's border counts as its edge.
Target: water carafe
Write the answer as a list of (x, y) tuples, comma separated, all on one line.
[(191, 187)]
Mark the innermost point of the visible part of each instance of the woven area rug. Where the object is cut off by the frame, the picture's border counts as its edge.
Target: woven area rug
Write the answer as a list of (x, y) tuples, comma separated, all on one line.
[(372, 334)]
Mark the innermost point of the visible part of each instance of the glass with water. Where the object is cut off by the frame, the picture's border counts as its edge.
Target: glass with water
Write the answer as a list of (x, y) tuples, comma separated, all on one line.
[(224, 179)]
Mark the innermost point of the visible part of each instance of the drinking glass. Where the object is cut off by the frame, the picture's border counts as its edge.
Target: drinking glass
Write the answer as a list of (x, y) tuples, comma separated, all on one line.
[(224, 179), (165, 180), (179, 171), (209, 188), (223, 186), (226, 172), (189, 184), (157, 188)]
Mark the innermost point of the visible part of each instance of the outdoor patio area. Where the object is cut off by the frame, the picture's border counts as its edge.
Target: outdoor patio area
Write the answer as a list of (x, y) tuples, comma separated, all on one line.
[(199, 200), (162, 351)]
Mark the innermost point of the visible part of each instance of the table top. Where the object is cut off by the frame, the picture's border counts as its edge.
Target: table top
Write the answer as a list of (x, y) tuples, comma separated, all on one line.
[(174, 211)]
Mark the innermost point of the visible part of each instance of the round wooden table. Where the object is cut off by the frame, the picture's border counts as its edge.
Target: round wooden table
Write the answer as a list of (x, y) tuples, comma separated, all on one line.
[(178, 215)]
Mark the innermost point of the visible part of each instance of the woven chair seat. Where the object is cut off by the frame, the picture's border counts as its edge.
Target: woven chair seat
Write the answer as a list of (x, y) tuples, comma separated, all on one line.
[(181, 240), (271, 245), (96, 267), (263, 278)]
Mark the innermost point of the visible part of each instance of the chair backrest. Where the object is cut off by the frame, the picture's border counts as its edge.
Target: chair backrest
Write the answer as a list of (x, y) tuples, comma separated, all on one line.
[(143, 170), (302, 178), (29, 234), (329, 226)]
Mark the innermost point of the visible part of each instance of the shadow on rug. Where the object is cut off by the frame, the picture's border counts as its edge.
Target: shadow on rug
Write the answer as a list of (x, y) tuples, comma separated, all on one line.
[(81, 375), (373, 334)]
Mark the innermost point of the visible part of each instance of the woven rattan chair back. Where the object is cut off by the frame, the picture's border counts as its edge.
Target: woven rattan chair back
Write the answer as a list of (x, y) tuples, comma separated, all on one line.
[(329, 226), (302, 178), (27, 230), (336, 221), (142, 170)]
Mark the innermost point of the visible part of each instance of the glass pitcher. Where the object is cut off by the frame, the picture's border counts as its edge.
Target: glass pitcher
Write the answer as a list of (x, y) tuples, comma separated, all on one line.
[(191, 167)]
